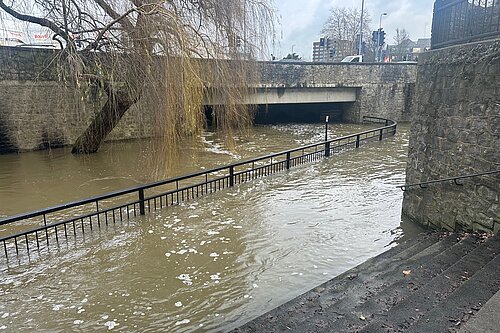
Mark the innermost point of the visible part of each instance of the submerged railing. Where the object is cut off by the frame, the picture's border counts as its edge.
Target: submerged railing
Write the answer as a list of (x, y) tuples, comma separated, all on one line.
[(41, 228)]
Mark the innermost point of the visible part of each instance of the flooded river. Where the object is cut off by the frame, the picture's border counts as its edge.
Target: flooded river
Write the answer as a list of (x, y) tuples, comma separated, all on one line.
[(210, 264)]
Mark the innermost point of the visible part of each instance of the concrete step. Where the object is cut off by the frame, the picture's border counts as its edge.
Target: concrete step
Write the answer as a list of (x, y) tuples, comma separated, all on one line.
[(449, 314), (293, 313), (442, 269), (486, 320), (422, 300), (421, 269)]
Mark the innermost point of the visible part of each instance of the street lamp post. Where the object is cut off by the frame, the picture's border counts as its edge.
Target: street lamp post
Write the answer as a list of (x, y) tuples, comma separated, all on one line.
[(379, 55), (361, 29)]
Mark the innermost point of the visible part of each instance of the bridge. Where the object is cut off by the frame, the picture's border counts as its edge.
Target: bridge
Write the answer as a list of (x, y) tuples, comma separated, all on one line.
[(356, 89), (298, 95), (29, 120)]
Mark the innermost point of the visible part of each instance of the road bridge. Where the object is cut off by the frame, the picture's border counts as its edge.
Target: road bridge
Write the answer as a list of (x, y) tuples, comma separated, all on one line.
[(298, 95), (350, 91), (30, 120)]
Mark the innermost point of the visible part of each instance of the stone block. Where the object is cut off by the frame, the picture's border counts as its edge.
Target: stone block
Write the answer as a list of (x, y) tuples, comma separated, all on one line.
[(456, 135), (476, 227), (485, 221)]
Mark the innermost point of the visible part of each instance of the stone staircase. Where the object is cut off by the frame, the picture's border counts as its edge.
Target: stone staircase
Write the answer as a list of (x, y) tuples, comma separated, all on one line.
[(433, 283)]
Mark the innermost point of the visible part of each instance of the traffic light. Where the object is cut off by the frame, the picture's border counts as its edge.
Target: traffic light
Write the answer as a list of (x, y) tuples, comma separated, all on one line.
[(375, 37), (382, 37)]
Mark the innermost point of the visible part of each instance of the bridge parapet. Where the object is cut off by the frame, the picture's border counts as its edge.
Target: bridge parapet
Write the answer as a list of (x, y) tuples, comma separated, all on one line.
[(384, 90), (36, 107)]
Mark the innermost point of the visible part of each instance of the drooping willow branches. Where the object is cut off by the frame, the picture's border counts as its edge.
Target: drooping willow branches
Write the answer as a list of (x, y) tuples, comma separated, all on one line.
[(167, 54)]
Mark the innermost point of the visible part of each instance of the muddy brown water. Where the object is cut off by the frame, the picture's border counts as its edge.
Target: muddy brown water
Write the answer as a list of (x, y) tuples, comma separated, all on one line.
[(210, 264)]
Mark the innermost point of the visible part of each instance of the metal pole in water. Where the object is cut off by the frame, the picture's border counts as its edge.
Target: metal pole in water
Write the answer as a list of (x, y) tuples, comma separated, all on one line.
[(327, 144), (326, 128), (142, 207)]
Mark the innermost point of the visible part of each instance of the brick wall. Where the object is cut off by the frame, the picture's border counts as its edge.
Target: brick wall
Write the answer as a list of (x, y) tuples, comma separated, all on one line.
[(456, 131)]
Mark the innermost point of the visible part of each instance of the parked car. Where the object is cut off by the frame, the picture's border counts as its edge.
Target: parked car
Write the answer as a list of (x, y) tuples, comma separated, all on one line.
[(353, 58)]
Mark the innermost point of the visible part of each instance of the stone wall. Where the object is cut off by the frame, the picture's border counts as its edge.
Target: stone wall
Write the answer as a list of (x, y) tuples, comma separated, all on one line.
[(38, 110), (384, 90), (456, 131)]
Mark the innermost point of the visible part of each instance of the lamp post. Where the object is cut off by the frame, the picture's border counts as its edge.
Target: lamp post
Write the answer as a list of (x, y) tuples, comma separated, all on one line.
[(361, 29), (378, 38)]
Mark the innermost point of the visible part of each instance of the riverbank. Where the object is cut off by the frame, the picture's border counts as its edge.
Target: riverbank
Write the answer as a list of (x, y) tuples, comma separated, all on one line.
[(434, 283)]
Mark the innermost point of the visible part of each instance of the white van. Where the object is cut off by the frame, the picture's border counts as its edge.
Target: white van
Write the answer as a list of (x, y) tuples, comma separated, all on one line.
[(11, 38), (353, 58)]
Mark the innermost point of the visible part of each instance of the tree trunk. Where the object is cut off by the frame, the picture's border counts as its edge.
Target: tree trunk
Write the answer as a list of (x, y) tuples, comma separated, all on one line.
[(118, 103)]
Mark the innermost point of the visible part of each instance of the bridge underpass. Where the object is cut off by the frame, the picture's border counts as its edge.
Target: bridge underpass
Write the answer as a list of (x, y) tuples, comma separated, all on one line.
[(297, 113), (298, 104), (301, 113)]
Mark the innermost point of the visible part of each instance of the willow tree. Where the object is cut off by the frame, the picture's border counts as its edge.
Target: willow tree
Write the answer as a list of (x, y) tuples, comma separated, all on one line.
[(168, 54)]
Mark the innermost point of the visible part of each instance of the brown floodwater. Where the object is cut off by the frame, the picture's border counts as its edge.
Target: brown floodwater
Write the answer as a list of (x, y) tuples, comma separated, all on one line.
[(210, 264)]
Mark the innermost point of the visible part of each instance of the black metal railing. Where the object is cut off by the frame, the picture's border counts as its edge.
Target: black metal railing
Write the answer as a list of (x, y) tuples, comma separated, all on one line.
[(39, 229), (462, 21), (455, 180)]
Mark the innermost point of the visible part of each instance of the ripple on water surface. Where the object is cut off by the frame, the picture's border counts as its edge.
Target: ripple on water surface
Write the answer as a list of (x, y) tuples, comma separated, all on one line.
[(218, 261)]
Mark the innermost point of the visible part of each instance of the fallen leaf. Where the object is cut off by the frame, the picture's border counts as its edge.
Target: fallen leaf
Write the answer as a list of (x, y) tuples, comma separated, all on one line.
[(406, 273)]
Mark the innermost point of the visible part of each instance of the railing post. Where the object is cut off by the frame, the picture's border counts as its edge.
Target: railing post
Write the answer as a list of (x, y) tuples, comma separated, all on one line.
[(381, 136), (357, 141), (231, 176), (288, 156), (327, 149), (142, 208)]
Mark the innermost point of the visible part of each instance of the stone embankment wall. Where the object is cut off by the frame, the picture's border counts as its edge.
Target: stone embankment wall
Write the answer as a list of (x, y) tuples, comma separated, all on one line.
[(456, 131), (39, 110), (384, 90)]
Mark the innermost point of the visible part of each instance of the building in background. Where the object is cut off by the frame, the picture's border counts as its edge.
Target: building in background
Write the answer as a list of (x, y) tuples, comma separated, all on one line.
[(330, 50), (323, 50), (408, 50), (423, 45)]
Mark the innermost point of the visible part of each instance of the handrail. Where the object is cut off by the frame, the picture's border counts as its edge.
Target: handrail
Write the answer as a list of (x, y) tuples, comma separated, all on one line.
[(109, 195), (454, 179), (199, 184)]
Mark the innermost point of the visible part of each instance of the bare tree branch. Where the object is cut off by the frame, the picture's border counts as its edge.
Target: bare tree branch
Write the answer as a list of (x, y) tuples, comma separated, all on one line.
[(36, 20), (107, 28)]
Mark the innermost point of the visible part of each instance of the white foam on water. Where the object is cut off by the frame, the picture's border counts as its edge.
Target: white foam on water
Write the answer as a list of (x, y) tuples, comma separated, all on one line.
[(182, 322)]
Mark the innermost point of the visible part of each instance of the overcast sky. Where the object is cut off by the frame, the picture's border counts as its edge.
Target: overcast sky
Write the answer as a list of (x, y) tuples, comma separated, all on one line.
[(302, 21)]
